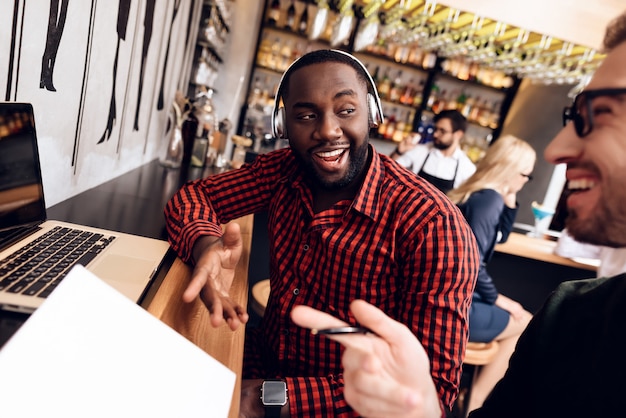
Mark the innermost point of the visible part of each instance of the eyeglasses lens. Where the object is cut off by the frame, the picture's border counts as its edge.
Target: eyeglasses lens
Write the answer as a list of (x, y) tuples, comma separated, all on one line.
[(581, 116), (577, 113)]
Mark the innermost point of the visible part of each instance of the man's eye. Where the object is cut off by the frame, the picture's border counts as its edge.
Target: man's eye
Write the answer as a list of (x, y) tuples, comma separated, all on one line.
[(307, 116), (600, 109), (347, 111)]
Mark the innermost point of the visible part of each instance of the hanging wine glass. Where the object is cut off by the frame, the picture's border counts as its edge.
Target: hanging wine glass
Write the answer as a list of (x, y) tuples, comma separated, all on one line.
[(369, 27), (392, 23), (319, 21), (343, 25), (441, 34)]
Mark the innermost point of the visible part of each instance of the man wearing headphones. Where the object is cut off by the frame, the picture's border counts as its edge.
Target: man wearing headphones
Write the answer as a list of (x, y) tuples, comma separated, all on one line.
[(442, 161), (345, 223)]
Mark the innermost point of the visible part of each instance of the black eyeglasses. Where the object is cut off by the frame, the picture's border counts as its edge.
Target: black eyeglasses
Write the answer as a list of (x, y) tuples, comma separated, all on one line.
[(580, 111), (528, 176), (443, 131)]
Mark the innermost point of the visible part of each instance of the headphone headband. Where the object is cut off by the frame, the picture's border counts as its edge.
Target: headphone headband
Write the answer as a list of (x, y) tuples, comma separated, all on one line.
[(375, 109)]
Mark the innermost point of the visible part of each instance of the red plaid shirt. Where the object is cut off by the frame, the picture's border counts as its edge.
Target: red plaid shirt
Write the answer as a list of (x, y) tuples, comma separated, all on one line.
[(400, 245)]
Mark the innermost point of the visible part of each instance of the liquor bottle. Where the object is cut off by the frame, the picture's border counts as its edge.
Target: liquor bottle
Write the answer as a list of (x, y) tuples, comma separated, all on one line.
[(255, 94), (265, 50), (460, 101), (273, 14), (391, 126), (375, 78), (485, 114), (382, 127), (418, 96), (476, 110), (290, 23), (439, 102), (466, 110), (303, 24), (396, 88), (433, 97), (494, 116), (408, 93), (274, 57), (398, 133), (285, 54), (385, 87)]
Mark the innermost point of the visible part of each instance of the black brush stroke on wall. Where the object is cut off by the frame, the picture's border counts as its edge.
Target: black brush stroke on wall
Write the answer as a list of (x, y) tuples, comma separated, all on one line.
[(7, 96), (122, 25), (56, 24), (148, 22), (83, 89), (160, 103)]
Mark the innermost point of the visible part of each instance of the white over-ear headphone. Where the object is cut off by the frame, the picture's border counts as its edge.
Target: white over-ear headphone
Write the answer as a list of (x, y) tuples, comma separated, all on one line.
[(374, 106)]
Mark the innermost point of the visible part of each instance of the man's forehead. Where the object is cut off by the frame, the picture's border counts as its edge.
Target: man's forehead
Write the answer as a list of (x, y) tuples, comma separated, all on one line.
[(336, 74), (612, 72)]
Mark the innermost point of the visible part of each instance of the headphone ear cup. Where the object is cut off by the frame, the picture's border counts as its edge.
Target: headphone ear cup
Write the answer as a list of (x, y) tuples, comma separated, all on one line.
[(279, 123), (373, 113)]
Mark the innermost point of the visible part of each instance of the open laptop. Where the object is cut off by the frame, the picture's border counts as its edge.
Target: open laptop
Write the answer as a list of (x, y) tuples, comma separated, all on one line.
[(126, 262)]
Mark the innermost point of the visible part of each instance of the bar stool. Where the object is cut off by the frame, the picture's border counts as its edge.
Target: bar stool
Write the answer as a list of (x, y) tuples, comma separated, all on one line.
[(476, 355), (260, 296)]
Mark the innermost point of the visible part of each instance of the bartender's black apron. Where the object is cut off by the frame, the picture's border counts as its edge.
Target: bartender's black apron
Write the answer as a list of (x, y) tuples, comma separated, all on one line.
[(442, 184)]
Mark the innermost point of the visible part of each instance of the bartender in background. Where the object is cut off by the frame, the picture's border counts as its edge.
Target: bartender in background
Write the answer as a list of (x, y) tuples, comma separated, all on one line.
[(442, 162)]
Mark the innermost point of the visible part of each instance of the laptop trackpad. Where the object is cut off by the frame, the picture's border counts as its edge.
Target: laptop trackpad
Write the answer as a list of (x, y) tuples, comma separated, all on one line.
[(129, 275)]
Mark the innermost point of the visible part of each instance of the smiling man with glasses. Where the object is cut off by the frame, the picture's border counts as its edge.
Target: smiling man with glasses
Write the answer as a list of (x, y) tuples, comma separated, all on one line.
[(442, 162)]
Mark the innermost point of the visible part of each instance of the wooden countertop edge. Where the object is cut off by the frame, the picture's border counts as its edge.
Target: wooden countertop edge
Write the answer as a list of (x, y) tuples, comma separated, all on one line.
[(543, 250), (192, 319)]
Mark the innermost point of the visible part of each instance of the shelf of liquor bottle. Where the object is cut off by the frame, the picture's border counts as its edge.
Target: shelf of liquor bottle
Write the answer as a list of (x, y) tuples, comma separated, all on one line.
[(211, 49), (223, 11), (364, 55), (205, 85), (482, 118), (279, 48), (291, 33), (497, 83), (367, 56), (398, 105)]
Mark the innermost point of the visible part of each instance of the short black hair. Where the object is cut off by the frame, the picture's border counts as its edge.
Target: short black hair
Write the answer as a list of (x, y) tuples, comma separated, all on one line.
[(319, 56), (458, 121), (615, 32)]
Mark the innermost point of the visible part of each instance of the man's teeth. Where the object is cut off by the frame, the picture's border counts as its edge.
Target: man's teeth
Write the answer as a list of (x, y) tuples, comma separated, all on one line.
[(580, 184), (329, 154)]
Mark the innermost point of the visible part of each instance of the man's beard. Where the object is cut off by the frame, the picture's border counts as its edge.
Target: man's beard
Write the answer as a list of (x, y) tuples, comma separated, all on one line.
[(441, 145), (604, 228), (356, 164)]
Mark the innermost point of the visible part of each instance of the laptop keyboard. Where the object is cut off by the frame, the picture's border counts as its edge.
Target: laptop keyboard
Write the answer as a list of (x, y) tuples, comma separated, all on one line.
[(38, 267)]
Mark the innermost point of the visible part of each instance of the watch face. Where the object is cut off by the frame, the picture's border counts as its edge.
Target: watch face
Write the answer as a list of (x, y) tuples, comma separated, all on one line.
[(274, 393)]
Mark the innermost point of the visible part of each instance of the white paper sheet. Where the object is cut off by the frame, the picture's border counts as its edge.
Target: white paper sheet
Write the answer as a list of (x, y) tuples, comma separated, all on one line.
[(88, 351)]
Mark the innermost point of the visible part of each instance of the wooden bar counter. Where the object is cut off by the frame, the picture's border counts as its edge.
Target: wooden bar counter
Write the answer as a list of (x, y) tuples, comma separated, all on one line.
[(526, 269), (192, 319), (539, 249)]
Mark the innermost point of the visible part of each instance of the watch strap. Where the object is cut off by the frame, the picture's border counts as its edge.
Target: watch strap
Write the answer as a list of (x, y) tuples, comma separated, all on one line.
[(272, 411)]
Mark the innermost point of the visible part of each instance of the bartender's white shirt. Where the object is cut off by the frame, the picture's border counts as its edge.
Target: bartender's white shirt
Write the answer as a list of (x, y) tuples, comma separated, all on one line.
[(438, 165)]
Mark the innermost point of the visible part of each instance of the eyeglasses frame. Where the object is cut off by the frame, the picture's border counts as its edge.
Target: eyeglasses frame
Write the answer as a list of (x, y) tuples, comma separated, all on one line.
[(570, 113)]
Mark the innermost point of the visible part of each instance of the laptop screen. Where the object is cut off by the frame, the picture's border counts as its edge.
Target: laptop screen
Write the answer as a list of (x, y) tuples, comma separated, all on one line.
[(21, 189)]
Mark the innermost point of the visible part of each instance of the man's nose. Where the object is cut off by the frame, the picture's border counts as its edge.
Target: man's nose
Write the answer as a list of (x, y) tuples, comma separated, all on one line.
[(565, 146), (329, 128)]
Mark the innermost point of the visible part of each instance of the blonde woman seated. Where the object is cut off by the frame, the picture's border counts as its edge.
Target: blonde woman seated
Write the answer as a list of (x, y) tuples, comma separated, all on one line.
[(488, 202)]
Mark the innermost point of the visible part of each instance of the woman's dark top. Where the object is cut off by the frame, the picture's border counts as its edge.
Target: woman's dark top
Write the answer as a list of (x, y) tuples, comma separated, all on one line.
[(491, 221)]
